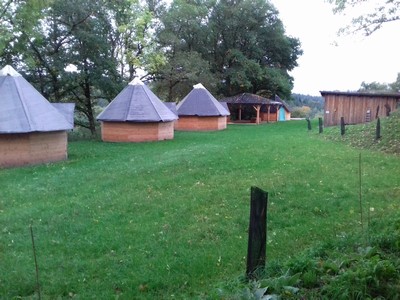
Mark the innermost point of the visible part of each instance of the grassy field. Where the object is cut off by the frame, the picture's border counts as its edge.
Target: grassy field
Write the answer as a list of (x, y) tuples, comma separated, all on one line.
[(169, 220)]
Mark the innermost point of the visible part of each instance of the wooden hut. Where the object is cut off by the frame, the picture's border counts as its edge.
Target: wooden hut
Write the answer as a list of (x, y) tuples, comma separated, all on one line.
[(32, 130), (356, 107), (200, 111), (136, 115)]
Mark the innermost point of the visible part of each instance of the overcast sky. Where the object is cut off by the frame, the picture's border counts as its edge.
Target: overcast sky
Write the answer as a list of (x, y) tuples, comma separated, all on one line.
[(333, 63)]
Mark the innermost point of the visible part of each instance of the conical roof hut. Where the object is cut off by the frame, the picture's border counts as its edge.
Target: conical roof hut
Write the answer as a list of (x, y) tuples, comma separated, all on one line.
[(199, 110), (32, 130), (136, 115)]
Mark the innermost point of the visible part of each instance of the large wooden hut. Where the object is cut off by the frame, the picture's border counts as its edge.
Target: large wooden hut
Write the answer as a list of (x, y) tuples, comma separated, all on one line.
[(32, 130), (356, 107), (200, 111), (246, 107), (136, 115)]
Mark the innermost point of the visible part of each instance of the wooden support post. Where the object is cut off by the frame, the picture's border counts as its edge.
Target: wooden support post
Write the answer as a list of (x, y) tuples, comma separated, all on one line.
[(342, 126), (257, 108), (240, 113), (268, 110), (256, 252), (321, 126)]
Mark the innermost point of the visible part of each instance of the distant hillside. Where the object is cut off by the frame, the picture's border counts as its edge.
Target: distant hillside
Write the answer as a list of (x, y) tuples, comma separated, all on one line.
[(364, 135), (300, 104)]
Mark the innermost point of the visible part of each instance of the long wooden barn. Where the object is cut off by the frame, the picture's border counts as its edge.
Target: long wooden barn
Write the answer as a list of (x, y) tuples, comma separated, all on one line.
[(357, 107), (32, 130)]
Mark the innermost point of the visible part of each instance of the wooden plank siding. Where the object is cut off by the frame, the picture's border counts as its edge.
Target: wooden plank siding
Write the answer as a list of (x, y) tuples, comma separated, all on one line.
[(195, 123), (136, 132), (355, 107), (32, 148)]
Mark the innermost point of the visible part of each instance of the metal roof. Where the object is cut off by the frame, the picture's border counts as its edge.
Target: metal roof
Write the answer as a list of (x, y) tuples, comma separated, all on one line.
[(23, 109), (172, 107), (247, 98), (136, 103), (362, 94), (200, 102)]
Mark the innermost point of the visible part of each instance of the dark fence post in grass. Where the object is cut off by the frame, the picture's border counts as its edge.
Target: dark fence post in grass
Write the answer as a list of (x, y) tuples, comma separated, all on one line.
[(342, 126), (256, 251), (308, 123), (36, 264), (321, 127), (378, 129)]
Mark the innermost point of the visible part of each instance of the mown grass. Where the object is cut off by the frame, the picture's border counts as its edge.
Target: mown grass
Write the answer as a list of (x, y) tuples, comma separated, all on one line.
[(169, 220), (363, 136)]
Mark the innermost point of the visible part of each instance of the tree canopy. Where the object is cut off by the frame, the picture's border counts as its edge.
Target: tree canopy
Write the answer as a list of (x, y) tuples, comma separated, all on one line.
[(85, 51), (379, 87)]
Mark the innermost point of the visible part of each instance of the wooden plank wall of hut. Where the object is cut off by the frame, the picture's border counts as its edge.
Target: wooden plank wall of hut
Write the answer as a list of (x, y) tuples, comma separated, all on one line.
[(194, 123), (32, 148), (136, 132), (355, 108)]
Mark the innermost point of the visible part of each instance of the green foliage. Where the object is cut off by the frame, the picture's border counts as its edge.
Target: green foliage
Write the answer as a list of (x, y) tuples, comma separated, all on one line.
[(377, 87), (301, 112), (371, 272), (242, 45)]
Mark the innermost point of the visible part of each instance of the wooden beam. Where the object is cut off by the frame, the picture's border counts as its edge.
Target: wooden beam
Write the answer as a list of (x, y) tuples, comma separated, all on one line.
[(257, 108)]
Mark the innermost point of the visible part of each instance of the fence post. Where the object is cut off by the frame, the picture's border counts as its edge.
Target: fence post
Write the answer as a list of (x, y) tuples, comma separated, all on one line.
[(256, 251), (321, 127), (378, 129), (342, 126), (308, 123)]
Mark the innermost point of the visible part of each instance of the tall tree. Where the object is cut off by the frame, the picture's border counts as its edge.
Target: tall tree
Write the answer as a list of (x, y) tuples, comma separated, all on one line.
[(251, 51), (67, 49), (380, 12), (240, 43), (182, 38)]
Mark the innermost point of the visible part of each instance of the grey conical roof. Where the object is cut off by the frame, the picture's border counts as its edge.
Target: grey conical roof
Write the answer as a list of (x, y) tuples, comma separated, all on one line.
[(23, 109), (136, 103), (200, 102)]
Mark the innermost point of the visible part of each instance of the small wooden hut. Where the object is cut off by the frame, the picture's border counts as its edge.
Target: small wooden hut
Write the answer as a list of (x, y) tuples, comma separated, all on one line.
[(200, 111), (136, 115), (32, 130), (357, 107)]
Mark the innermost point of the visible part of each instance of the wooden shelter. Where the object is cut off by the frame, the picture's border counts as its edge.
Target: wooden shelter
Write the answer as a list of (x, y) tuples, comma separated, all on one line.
[(32, 130), (357, 107), (200, 111), (253, 108), (136, 115)]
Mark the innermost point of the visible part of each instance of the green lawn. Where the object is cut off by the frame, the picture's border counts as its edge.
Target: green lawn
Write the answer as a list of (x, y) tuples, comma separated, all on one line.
[(169, 219)]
